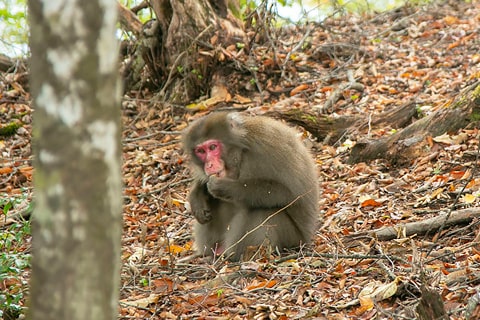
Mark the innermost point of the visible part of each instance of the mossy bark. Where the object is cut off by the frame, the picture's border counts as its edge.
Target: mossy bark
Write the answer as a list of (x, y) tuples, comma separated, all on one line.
[(76, 138)]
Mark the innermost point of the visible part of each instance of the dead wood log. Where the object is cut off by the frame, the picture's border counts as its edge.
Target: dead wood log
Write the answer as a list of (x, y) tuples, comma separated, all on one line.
[(326, 129), (395, 118), (405, 145), (409, 142), (473, 307), (330, 130), (423, 227), (431, 306), (8, 64)]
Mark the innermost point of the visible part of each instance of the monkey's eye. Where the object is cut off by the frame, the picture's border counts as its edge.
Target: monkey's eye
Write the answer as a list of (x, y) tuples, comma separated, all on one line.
[(212, 147), (200, 150)]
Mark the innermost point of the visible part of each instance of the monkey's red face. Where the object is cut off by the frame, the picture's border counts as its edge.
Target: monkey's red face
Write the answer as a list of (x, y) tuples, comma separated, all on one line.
[(210, 153)]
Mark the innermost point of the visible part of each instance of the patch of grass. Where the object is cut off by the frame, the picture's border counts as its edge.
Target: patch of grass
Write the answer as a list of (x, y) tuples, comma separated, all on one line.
[(14, 257)]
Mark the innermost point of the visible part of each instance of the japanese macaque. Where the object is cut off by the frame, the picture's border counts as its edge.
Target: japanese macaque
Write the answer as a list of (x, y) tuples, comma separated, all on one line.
[(255, 183)]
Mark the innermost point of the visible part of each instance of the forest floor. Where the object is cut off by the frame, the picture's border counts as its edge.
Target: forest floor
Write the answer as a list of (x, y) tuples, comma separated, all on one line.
[(420, 54)]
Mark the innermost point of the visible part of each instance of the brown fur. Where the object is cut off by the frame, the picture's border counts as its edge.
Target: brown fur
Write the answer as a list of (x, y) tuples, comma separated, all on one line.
[(267, 167)]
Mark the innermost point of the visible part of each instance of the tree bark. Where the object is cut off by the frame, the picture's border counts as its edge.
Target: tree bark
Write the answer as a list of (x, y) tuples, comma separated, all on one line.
[(178, 48), (77, 218)]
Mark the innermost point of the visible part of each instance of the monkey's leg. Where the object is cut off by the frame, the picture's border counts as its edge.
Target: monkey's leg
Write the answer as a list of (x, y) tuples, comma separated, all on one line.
[(255, 228), (210, 236), (207, 243)]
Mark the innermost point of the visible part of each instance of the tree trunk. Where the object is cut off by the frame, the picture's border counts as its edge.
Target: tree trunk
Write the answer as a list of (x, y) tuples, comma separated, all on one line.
[(178, 46), (77, 217)]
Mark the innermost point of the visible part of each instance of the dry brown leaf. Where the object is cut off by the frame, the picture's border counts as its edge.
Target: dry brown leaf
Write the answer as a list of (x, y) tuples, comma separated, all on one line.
[(262, 284), (143, 302), (298, 89)]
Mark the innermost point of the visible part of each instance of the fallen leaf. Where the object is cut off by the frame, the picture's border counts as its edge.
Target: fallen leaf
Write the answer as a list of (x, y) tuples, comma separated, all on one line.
[(444, 138), (241, 99), (164, 285), (457, 174), (143, 302), (371, 203), (262, 284), (468, 198), (176, 249), (219, 93), (6, 170), (451, 20), (205, 301), (436, 193), (298, 89), (376, 291)]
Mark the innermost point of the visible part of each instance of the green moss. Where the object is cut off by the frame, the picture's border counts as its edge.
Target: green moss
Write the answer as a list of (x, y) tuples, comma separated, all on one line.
[(310, 118), (20, 115), (9, 129), (475, 115), (476, 92), (420, 113)]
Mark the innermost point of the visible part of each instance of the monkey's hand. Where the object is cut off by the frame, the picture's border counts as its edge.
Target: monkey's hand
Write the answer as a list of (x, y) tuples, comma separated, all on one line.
[(253, 193), (221, 188), (201, 212), (199, 204)]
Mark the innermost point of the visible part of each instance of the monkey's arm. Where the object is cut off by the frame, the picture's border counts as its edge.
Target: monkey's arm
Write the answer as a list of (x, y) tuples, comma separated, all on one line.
[(199, 205), (254, 193)]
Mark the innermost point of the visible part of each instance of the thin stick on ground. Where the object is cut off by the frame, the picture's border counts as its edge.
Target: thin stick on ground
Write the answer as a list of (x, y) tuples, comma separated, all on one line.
[(266, 220)]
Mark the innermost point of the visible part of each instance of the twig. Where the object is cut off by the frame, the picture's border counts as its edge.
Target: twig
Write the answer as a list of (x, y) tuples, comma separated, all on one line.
[(457, 198), (170, 185), (297, 46), (177, 60), (266, 220), (152, 135)]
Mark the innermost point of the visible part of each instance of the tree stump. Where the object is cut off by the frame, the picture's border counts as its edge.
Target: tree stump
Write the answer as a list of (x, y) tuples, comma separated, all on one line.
[(179, 48)]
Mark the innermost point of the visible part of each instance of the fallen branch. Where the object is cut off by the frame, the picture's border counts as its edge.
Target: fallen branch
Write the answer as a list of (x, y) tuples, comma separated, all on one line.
[(422, 227), (408, 143)]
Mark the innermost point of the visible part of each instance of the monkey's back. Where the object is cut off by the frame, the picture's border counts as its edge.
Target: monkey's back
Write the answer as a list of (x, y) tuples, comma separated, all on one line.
[(286, 159)]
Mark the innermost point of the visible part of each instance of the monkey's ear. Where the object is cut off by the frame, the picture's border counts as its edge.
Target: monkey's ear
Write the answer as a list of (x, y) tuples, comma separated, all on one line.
[(236, 120)]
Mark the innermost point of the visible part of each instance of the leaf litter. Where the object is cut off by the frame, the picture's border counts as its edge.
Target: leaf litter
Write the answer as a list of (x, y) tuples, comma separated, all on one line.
[(345, 66)]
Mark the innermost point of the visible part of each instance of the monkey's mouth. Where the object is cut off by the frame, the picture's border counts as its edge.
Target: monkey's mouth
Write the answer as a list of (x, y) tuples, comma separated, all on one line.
[(220, 174)]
